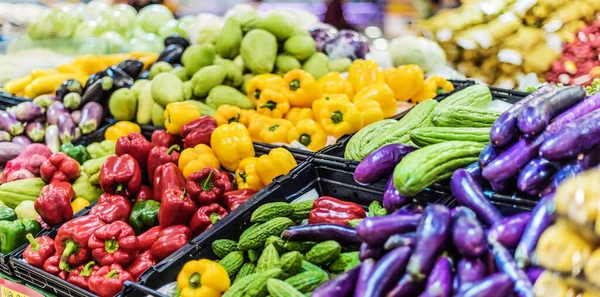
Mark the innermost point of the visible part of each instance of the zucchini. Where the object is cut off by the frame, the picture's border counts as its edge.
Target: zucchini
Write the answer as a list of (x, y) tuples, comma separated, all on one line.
[(270, 211), (464, 116), (300, 246), (279, 288), (246, 269), (425, 136), (291, 262), (301, 210), (307, 281), (232, 263), (222, 247), (256, 237), (268, 259), (324, 252), (473, 96)]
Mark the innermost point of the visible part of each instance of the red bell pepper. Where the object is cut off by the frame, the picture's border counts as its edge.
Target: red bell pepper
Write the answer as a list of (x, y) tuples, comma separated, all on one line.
[(114, 243), (206, 216), (148, 238), (80, 276), (60, 167), (72, 238), (167, 176), (38, 250), (140, 265), (160, 155), (198, 131), (334, 211), (54, 203), (169, 241), (233, 199), (164, 138), (112, 208), (52, 266), (208, 185), (145, 193), (136, 145), (108, 280), (42, 223), (176, 208), (121, 175)]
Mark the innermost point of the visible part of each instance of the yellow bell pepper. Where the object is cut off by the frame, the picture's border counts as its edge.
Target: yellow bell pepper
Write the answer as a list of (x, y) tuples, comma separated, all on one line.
[(227, 114), (335, 83), (246, 176), (297, 114), (232, 143), (278, 162), (17, 85), (79, 204), (381, 93), (363, 73), (121, 128), (431, 87), (203, 278), (340, 117), (47, 84), (405, 81), (178, 114), (308, 133), (272, 103), (276, 131), (257, 122), (197, 158), (246, 115), (259, 83), (441, 83), (301, 88), (370, 110), (317, 105)]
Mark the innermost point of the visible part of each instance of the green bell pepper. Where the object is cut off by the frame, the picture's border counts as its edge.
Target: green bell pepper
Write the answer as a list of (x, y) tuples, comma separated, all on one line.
[(77, 152), (92, 169), (13, 233), (31, 226), (101, 149), (85, 189), (144, 215), (7, 214)]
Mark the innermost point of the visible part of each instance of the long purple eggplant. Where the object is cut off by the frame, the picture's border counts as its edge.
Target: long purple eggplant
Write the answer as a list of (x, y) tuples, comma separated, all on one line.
[(370, 252), (54, 111), (504, 186), (582, 163), (377, 230), (577, 137), (28, 111), (10, 124), (495, 285), (432, 232), (366, 270), (392, 199), (537, 113), (172, 54), (439, 282), (469, 271), (475, 171), (36, 131), (469, 193), (541, 218), (322, 232), (506, 263), (411, 208), (534, 273), (380, 163), (536, 174), (91, 117), (52, 140), (339, 286), (508, 232), (400, 240), (487, 155), (66, 128), (586, 106), (407, 286), (22, 140), (387, 272), (9, 151), (5, 136), (467, 233)]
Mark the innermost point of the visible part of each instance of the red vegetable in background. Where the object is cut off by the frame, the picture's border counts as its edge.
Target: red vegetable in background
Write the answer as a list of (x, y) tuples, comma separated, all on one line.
[(112, 208), (60, 167), (80, 275), (233, 199), (108, 280), (198, 131), (334, 211), (54, 203), (208, 185), (114, 243), (121, 175), (176, 208), (136, 145), (167, 176), (39, 250), (72, 238), (206, 216), (164, 138), (160, 155), (145, 193)]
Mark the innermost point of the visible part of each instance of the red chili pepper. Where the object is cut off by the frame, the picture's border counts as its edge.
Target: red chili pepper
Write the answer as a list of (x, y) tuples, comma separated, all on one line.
[(114, 243), (167, 176), (233, 199), (54, 203), (60, 167), (136, 145), (206, 216), (334, 211), (148, 238), (160, 155), (198, 131), (38, 250), (81, 275), (145, 193), (140, 265), (72, 238), (121, 175), (164, 138), (108, 280), (169, 241), (176, 208), (52, 266), (112, 208), (208, 185)]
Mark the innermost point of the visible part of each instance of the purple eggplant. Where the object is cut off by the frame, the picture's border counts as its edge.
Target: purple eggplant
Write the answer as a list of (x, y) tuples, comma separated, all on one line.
[(339, 286), (536, 174), (508, 231), (400, 240), (392, 199), (380, 163), (176, 39), (506, 264), (577, 137), (76, 116), (407, 286), (541, 218), (366, 270), (467, 233), (52, 140), (36, 131), (172, 55), (487, 155), (28, 111), (508, 163), (322, 232), (120, 78), (503, 186), (538, 112), (44, 101), (91, 117), (22, 140), (490, 262), (69, 86), (72, 101), (534, 273), (432, 233), (377, 230), (469, 193), (469, 271), (5, 136), (66, 128), (370, 252), (99, 91), (411, 208), (9, 151), (387, 272), (439, 282), (475, 171), (495, 285), (586, 106), (93, 79), (54, 111), (582, 163), (10, 124), (132, 67)]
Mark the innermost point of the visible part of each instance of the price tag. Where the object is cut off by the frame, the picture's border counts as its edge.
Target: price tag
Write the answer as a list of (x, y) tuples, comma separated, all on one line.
[(6, 292)]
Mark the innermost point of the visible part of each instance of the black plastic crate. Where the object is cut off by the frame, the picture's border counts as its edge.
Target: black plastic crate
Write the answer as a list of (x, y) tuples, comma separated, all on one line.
[(9, 100)]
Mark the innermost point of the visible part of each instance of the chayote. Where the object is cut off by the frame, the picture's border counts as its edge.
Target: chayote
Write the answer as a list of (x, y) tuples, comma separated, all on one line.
[(300, 46), (239, 62), (187, 90), (203, 108), (317, 65), (285, 63), (197, 56), (229, 39), (259, 51), (122, 104), (138, 86), (159, 67), (233, 75), (246, 78), (278, 25), (145, 104), (158, 115), (181, 73), (206, 79), (220, 95), (339, 65), (248, 20), (166, 88)]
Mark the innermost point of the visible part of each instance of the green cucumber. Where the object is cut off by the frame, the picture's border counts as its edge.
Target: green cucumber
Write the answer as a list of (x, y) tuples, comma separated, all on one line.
[(464, 116), (222, 247), (257, 236), (232, 263), (425, 136), (324, 252), (270, 211), (279, 288)]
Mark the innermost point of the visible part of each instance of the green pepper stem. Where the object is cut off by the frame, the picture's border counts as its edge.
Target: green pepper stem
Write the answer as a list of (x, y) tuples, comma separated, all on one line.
[(273, 128), (337, 117), (270, 105), (256, 94), (243, 176), (195, 280), (173, 148), (214, 217), (112, 274), (87, 269), (207, 184), (304, 139), (294, 85), (183, 195), (35, 246), (119, 187), (236, 119), (111, 245), (70, 248)]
